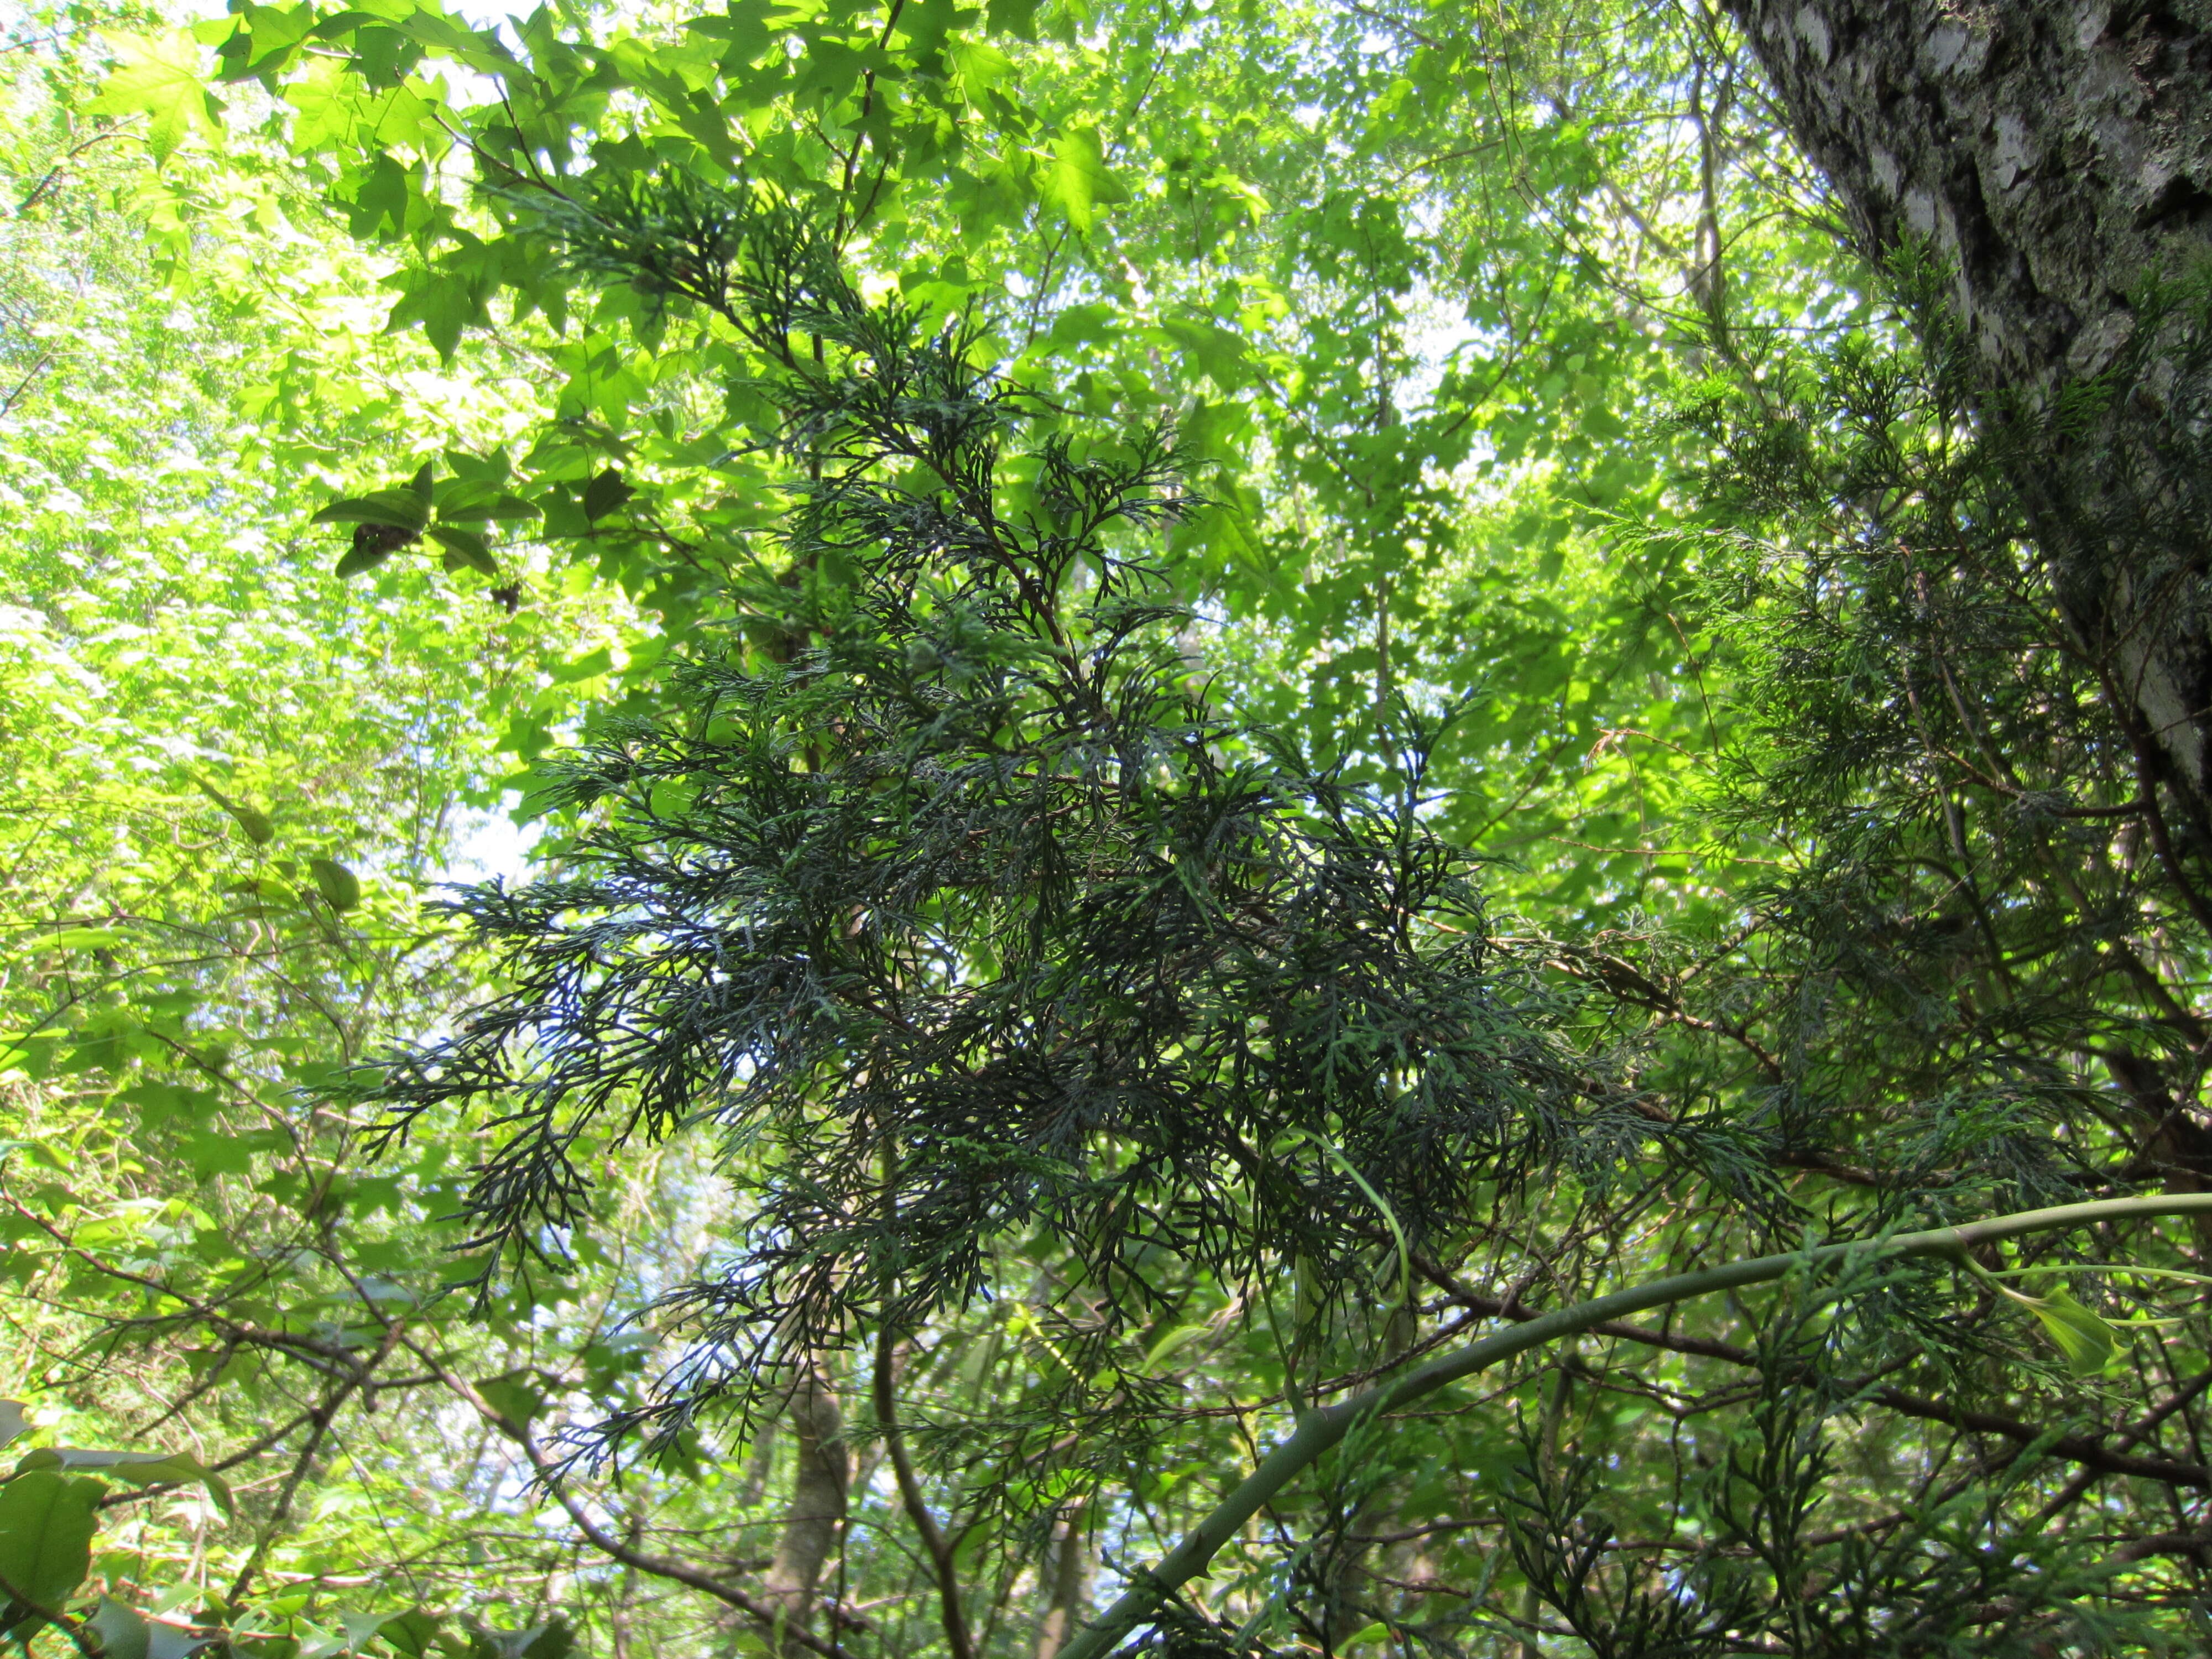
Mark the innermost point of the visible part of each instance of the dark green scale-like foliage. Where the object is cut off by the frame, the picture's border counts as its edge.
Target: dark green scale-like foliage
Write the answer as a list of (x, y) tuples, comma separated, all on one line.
[(958, 907), (1978, 968)]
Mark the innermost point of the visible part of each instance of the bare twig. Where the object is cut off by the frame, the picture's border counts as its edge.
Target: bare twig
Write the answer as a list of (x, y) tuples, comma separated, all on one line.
[(933, 1540)]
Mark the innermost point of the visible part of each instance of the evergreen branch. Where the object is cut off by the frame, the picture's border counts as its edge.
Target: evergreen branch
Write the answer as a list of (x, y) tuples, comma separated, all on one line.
[(1320, 1430), (2095, 1458), (977, 883)]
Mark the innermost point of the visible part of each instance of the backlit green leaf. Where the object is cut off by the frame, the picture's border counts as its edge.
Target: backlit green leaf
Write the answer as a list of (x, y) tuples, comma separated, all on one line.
[(2086, 1340), (157, 76), (339, 886), (464, 549), (1080, 181)]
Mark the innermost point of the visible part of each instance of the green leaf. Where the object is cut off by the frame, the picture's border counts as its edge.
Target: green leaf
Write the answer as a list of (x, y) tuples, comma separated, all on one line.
[(464, 549), (11, 1421), (512, 1396), (361, 1629), (1080, 181), (410, 1634), (925, 23), (358, 560), (1218, 353), (75, 1458), (339, 886), (213, 1154), (383, 197), (1228, 530), (254, 821), (46, 1538), (159, 76), (743, 24), (81, 939), (605, 494), (137, 1468), (981, 65), (550, 1640), (125, 1634), (400, 508), (590, 665), (181, 1469), (474, 500), (260, 43), (2086, 1340), (1172, 1343), (122, 1633)]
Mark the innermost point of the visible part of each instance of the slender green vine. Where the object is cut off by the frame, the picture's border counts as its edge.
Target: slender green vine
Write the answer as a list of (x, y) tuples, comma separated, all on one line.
[(1324, 1427)]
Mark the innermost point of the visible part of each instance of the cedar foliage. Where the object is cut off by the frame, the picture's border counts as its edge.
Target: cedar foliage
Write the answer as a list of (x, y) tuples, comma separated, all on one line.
[(1979, 974), (953, 902)]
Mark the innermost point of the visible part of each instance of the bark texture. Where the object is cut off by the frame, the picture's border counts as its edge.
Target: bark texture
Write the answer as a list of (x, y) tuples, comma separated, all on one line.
[(1066, 1583), (811, 1527), (2056, 157)]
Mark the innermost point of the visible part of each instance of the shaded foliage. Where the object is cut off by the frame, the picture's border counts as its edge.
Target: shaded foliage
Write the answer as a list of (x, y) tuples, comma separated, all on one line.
[(961, 912), (1992, 918)]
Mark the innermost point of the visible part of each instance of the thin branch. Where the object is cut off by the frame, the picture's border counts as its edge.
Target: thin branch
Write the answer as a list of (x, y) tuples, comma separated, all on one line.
[(933, 1540), (659, 1567), (2086, 1450), (1320, 1430), (69, 1627), (322, 1418), (54, 172), (24, 385)]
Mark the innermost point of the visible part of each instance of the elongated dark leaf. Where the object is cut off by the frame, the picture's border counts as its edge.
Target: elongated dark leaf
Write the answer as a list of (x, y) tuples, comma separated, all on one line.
[(605, 494), (46, 1539), (137, 1468), (464, 549), (255, 823), (400, 509)]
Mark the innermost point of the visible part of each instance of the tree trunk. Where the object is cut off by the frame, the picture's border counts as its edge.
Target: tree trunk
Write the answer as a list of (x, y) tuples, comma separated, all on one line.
[(1067, 1582), (817, 1497), (2055, 157)]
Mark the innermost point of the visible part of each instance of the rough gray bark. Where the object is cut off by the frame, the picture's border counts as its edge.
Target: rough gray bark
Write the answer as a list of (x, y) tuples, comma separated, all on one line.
[(822, 1468), (2056, 156)]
